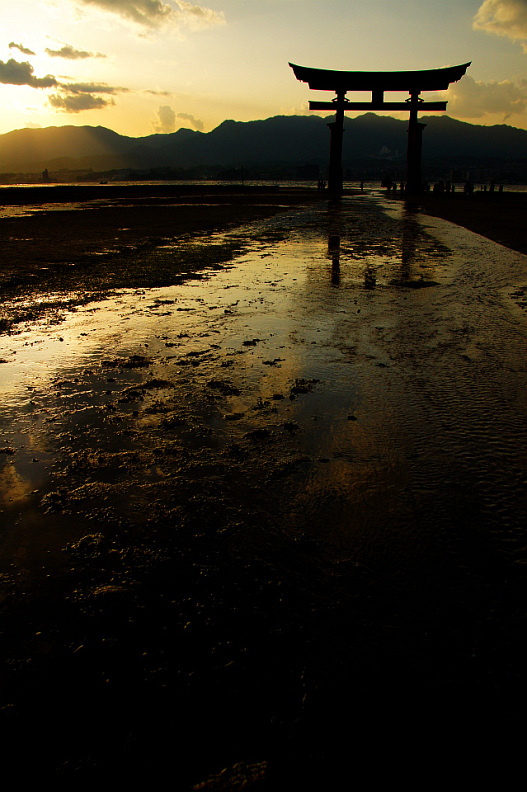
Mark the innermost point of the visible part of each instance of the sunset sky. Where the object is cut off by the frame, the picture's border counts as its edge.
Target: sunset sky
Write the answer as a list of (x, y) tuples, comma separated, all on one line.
[(143, 66)]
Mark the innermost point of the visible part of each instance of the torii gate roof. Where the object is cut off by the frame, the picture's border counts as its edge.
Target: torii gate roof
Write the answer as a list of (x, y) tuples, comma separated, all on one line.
[(410, 81)]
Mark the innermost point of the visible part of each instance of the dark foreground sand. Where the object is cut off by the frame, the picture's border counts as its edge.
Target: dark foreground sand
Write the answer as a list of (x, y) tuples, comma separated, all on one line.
[(500, 217)]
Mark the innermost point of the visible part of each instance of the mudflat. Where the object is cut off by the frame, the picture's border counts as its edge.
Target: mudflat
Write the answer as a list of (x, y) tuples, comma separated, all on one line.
[(263, 518), (81, 242)]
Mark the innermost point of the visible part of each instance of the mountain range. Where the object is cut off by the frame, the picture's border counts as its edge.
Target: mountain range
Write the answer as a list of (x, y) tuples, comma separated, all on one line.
[(295, 142)]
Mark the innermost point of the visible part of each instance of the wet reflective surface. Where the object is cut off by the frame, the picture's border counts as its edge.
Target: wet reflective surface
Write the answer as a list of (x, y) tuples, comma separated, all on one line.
[(330, 434), (411, 351)]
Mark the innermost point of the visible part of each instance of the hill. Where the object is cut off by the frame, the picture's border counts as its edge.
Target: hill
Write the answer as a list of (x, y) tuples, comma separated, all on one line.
[(371, 142)]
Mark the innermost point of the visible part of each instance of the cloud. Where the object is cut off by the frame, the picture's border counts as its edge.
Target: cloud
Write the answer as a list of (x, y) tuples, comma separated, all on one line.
[(197, 16), (98, 88), (76, 97), (14, 73), (23, 50), (76, 103), (195, 122), (504, 18), (473, 99), (146, 12), (165, 121), (154, 13), (72, 54)]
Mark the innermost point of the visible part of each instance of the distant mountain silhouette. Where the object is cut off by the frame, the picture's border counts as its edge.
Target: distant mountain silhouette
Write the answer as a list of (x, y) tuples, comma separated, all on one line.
[(292, 141)]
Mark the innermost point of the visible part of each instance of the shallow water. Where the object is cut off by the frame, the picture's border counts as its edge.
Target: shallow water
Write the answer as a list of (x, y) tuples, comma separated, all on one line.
[(344, 407)]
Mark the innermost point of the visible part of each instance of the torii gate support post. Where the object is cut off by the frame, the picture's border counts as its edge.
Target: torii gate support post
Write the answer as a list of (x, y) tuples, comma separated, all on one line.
[(335, 151), (415, 146)]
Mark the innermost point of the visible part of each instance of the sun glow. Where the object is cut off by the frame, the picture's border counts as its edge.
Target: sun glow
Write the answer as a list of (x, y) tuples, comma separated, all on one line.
[(220, 59)]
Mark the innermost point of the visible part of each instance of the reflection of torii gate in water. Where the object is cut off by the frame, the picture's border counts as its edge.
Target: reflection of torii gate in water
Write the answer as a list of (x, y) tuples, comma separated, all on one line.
[(378, 82)]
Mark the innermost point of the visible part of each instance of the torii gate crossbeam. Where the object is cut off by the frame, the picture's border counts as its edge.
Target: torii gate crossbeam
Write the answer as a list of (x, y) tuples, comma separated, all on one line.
[(413, 82)]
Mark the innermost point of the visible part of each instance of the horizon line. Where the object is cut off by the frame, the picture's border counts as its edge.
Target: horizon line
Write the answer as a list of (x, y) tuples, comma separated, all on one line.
[(377, 114)]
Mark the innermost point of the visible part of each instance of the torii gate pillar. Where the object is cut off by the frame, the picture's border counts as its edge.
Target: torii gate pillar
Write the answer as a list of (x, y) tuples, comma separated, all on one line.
[(414, 149), (335, 150)]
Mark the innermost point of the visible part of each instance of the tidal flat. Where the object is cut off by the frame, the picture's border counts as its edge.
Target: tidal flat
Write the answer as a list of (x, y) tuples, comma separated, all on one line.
[(264, 516)]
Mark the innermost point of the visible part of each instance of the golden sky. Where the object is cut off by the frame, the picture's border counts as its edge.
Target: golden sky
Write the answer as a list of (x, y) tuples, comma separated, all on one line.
[(143, 66)]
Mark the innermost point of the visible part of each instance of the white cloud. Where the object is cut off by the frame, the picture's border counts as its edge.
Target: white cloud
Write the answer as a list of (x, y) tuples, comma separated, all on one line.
[(302, 109), (194, 122), (154, 13), (145, 12), (196, 16), (165, 120), (473, 99), (504, 18)]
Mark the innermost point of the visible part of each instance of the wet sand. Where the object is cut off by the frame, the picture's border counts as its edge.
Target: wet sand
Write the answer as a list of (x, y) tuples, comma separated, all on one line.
[(81, 242), (266, 527)]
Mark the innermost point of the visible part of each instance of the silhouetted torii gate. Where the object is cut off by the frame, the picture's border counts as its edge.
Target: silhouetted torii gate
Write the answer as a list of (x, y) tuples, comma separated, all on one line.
[(378, 82)]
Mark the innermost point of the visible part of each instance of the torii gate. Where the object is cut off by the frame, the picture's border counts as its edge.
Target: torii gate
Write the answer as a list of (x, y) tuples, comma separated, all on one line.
[(378, 82)]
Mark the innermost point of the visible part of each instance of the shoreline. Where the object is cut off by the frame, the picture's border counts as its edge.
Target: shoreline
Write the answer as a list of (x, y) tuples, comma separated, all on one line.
[(21, 195)]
